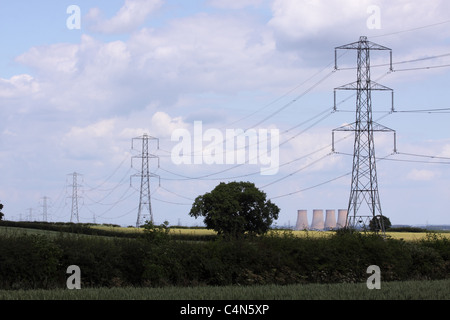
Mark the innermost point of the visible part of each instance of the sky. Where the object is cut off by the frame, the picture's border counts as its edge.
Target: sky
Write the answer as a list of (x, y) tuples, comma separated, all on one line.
[(79, 80)]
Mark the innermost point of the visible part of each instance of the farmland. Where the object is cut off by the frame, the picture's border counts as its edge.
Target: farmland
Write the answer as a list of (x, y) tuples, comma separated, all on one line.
[(407, 236), (127, 263), (409, 290)]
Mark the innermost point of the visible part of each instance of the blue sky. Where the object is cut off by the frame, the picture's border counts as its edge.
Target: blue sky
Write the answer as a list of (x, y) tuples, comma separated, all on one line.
[(71, 100)]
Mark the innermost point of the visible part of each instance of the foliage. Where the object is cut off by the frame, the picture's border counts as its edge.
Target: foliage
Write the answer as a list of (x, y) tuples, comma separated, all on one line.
[(375, 223), (36, 261), (156, 233), (1, 213), (235, 208)]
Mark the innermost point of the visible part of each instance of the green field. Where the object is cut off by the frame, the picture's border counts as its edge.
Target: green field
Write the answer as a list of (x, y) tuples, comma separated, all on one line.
[(409, 290)]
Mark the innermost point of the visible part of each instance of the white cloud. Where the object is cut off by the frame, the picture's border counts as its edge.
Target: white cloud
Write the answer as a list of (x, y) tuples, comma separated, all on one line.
[(233, 4), (50, 61), (95, 141), (130, 16), (163, 125), (18, 85), (330, 23), (306, 19), (422, 175)]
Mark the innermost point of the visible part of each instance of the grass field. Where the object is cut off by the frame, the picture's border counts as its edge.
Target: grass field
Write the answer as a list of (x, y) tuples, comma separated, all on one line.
[(410, 290)]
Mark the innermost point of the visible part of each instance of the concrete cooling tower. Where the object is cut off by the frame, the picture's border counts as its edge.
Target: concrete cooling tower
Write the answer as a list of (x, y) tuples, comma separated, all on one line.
[(318, 220), (342, 218), (330, 220), (302, 220)]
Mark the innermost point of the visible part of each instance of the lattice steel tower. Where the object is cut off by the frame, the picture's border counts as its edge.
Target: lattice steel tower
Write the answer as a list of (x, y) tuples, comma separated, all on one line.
[(44, 209), (74, 211), (364, 185), (145, 207)]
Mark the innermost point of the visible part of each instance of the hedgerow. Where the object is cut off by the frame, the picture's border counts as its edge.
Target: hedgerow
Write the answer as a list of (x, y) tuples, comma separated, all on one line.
[(40, 261)]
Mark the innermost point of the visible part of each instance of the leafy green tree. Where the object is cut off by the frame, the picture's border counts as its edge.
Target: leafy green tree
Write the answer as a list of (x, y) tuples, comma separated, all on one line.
[(375, 223), (1, 213), (235, 208)]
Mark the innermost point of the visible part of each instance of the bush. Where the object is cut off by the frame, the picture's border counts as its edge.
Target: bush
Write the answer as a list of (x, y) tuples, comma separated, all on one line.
[(28, 262), (40, 262)]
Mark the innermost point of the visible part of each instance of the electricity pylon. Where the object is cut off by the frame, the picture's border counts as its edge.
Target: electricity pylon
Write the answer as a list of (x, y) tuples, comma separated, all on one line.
[(44, 209), (364, 186), (145, 207), (74, 211)]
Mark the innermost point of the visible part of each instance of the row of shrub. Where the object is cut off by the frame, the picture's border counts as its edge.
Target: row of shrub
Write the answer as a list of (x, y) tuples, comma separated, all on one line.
[(39, 261)]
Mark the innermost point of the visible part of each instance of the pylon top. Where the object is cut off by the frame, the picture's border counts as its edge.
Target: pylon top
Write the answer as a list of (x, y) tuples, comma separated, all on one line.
[(367, 44)]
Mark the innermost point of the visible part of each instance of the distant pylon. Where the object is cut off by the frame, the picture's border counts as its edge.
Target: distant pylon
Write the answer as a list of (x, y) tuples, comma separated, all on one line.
[(44, 209), (75, 188), (145, 207), (364, 186)]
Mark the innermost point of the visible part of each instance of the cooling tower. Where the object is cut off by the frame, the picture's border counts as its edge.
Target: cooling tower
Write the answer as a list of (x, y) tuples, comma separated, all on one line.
[(302, 220), (318, 221), (330, 220), (342, 218)]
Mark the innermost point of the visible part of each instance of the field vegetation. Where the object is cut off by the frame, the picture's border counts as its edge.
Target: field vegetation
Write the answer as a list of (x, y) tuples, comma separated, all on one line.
[(408, 290), (160, 257)]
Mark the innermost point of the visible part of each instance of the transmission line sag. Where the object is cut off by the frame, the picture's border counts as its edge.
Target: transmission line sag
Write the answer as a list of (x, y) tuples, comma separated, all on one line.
[(145, 207), (364, 183)]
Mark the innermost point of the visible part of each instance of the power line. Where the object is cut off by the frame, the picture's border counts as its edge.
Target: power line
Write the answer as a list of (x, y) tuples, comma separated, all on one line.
[(442, 110), (296, 99), (412, 29), (327, 181), (204, 177), (423, 156), (297, 171), (109, 177), (284, 95), (407, 160), (409, 61), (423, 68), (312, 187)]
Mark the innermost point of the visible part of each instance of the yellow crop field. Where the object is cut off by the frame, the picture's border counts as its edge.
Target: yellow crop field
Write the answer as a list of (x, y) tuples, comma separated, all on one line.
[(407, 236)]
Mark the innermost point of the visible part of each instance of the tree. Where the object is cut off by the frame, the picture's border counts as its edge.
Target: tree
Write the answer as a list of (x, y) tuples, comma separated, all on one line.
[(374, 224), (1, 213), (156, 234), (235, 208)]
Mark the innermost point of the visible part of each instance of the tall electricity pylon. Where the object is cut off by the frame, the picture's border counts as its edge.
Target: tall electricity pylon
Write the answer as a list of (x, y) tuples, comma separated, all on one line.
[(44, 209), (145, 207), (364, 186), (74, 211)]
